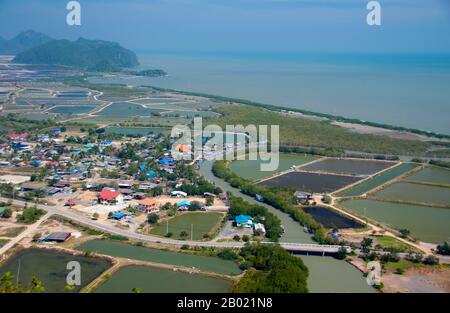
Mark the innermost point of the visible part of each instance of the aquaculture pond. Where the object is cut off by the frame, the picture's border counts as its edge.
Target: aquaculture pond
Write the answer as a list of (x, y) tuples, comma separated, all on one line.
[(376, 181), (51, 268), (313, 182), (348, 166), (416, 193), (72, 109), (329, 275), (432, 175), (331, 219), (200, 223), (154, 280), (204, 263), (135, 131), (125, 109), (425, 223), (251, 169)]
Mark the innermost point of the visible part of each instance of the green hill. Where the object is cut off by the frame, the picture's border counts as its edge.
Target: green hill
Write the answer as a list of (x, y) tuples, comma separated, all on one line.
[(22, 42), (92, 55)]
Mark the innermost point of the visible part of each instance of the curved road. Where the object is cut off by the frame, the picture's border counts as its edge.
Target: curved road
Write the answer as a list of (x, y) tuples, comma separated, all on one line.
[(55, 210)]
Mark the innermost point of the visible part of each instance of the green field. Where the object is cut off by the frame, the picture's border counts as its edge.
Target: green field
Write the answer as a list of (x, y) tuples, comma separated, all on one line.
[(250, 169), (201, 223)]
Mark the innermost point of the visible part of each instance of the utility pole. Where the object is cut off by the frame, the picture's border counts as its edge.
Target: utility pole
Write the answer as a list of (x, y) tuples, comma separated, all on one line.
[(167, 227), (192, 232)]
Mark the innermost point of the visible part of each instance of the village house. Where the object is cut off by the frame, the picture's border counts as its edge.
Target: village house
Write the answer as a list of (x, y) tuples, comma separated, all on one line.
[(110, 196), (244, 221), (148, 205)]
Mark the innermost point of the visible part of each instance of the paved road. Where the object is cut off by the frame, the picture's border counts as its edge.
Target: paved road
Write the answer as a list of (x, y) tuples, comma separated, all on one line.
[(68, 213)]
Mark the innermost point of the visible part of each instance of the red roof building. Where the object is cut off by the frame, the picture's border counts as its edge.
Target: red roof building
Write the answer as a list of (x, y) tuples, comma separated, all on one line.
[(18, 136), (70, 202), (108, 195)]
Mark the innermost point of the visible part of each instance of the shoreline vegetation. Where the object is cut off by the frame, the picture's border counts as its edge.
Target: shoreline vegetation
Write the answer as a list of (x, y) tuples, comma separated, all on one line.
[(331, 117)]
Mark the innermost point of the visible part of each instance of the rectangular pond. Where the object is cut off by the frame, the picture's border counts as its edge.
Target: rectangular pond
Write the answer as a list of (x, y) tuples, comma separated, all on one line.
[(425, 223), (416, 193), (72, 109), (50, 268), (125, 109), (154, 280), (348, 166), (204, 263), (377, 180), (312, 182), (331, 219), (250, 169), (136, 131), (432, 175)]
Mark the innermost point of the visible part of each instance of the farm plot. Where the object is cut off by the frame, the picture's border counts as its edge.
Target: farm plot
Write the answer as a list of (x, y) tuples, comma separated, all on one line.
[(348, 166), (312, 182)]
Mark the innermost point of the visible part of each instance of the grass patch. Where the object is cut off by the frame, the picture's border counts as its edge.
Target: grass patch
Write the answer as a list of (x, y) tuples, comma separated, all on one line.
[(13, 232), (391, 244), (3, 242), (392, 267), (180, 226)]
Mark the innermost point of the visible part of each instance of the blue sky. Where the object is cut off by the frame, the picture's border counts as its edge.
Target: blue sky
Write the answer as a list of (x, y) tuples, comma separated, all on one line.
[(241, 25)]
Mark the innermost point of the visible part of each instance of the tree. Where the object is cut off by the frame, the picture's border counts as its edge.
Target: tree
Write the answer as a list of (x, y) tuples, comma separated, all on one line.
[(184, 234), (366, 244), (152, 218), (227, 254), (7, 213), (236, 238), (342, 253), (136, 290), (7, 285), (405, 233), (443, 249), (431, 260)]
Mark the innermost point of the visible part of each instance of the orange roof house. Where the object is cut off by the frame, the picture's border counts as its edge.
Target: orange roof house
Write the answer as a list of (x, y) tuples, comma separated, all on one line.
[(148, 205), (183, 148)]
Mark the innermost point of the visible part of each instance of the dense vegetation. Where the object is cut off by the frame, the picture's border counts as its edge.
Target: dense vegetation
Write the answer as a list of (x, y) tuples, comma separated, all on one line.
[(259, 213), (273, 270), (151, 73), (92, 55), (7, 285), (30, 215), (274, 197), (305, 132)]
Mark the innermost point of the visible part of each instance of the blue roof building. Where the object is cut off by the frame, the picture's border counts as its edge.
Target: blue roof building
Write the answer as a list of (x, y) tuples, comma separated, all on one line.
[(243, 220), (118, 215), (151, 174), (184, 203), (143, 167), (166, 161)]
